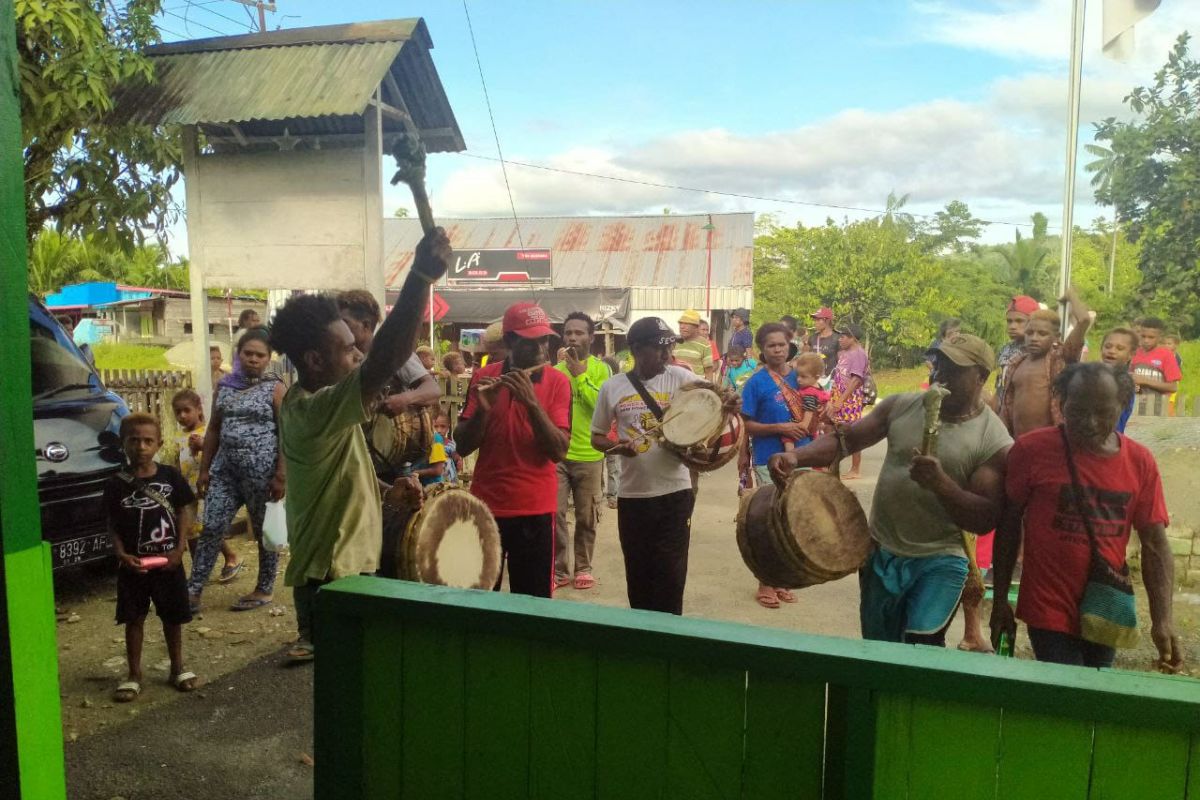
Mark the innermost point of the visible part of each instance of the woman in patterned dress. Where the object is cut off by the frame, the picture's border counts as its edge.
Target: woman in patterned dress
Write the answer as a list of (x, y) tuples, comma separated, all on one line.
[(241, 465), (849, 377)]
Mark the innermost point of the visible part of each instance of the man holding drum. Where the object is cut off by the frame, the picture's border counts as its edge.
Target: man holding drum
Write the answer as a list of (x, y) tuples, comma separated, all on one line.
[(518, 416), (911, 583), (655, 498)]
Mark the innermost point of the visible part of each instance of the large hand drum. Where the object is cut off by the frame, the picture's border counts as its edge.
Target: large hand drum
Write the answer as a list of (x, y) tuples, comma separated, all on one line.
[(402, 439), (812, 532), (699, 430), (452, 541)]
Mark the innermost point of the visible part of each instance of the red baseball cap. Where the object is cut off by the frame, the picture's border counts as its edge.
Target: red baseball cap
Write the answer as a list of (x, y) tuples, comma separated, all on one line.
[(823, 313), (1023, 304), (527, 320)]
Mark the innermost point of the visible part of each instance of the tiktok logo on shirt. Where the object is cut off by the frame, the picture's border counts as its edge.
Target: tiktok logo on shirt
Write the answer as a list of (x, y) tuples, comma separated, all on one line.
[(1106, 509), (156, 531)]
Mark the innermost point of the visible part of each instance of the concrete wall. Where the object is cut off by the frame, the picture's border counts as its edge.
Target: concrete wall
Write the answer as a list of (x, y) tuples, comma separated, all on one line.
[(294, 219)]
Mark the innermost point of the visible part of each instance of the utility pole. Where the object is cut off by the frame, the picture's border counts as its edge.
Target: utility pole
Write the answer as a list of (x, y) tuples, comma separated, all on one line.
[(262, 8)]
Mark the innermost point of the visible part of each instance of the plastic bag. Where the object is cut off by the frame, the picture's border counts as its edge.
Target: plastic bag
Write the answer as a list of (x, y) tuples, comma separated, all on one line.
[(274, 532)]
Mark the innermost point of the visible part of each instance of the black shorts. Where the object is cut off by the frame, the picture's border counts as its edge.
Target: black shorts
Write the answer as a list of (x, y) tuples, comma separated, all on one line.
[(165, 586)]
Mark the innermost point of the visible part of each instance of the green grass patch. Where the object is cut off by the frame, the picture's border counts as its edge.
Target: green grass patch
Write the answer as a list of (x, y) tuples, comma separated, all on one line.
[(898, 381), (1190, 385), (130, 356)]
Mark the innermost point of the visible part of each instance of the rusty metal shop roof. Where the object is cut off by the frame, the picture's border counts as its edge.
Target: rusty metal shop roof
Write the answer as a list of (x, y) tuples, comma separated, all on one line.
[(313, 81), (591, 252)]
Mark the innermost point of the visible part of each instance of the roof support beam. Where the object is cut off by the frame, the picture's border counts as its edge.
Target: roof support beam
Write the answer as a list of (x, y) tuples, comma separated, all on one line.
[(237, 134)]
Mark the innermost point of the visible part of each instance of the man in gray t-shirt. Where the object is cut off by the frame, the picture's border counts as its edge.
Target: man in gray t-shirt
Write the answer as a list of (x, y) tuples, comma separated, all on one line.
[(911, 584)]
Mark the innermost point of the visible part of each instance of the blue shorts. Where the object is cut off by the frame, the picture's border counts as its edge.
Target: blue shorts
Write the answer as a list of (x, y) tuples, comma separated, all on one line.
[(901, 595)]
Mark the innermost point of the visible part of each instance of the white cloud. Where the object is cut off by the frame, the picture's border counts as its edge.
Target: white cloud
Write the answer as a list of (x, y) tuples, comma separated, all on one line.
[(1002, 155), (1041, 29)]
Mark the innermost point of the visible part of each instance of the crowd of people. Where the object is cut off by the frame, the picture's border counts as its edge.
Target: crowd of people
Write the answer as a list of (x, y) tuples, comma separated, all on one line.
[(561, 433)]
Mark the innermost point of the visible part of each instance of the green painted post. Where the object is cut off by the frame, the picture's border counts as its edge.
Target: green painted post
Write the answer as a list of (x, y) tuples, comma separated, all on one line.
[(31, 751)]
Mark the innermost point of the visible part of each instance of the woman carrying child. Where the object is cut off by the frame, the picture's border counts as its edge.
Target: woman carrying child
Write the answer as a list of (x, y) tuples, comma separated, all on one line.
[(241, 465), (774, 413)]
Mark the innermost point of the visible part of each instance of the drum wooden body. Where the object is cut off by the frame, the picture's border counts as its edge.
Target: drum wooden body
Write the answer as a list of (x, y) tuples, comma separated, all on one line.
[(402, 439), (699, 430), (812, 532), (452, 541)]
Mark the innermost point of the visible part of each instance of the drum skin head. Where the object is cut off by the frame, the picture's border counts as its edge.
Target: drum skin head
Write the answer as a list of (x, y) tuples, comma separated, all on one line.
[(695, 415), (827, 521), (452, 541)]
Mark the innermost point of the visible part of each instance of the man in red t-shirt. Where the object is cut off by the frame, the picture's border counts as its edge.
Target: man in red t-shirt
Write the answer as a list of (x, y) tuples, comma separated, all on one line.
[(1154, 366), (1120, 489), (518, 416)]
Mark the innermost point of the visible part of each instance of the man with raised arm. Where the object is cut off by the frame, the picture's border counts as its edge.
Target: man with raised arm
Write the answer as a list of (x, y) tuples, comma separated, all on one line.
[(333, 499)]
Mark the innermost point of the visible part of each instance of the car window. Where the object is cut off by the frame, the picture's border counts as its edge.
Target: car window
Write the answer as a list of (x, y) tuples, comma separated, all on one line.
[(55, 366)]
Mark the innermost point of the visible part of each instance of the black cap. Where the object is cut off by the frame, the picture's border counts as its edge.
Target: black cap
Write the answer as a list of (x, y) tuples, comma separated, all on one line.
[(652, 331), (743, 313), (849, 329)]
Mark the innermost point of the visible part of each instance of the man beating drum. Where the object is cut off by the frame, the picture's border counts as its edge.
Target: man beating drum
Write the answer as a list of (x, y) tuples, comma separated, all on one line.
[(518, 416), (911, 583)]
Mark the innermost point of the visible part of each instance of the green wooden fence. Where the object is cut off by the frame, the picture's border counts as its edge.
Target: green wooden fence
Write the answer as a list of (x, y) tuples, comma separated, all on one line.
[(429, 692)]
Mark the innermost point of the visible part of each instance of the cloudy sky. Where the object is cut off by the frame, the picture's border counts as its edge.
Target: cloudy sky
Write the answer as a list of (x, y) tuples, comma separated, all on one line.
[(796, 106)]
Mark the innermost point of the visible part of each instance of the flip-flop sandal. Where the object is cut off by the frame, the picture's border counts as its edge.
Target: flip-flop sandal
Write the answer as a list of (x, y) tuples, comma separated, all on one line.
[(967, 648), (301, 652), (229, 573), (250, 603), (585, 581), (561, 582), (194, 604), (785, 595), (184, 681), (127, 692), (766, 598)]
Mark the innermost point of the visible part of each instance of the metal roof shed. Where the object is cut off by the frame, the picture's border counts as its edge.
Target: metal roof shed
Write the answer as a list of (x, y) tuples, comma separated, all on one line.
[(284, 134)]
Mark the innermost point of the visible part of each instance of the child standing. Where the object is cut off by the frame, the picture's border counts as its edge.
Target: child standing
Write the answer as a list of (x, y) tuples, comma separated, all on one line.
[(149, 505), (1154, 366), (1117, 350), (1028, 402), (184, 455), (432, 468), (441, 426), (738, 368)]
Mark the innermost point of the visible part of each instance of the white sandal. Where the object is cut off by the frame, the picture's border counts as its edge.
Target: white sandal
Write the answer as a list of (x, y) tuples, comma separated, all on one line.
[(178, 680), (127, 692)]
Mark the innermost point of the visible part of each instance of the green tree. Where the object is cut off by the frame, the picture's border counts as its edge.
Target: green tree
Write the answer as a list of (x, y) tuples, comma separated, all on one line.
[(86, 172), (954, 229), (871, 271), (1153, 182)]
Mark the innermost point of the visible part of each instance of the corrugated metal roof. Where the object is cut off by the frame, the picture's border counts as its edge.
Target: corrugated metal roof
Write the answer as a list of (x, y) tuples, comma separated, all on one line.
[(313, 80), (589, 252)]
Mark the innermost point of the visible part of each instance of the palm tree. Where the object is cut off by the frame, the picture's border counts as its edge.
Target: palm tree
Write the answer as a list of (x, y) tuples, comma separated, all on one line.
[(892, 215), (1104, 171), (1025, 258)]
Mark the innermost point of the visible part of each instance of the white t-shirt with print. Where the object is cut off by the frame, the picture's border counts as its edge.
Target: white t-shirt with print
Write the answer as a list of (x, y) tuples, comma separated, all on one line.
[(655, 471)]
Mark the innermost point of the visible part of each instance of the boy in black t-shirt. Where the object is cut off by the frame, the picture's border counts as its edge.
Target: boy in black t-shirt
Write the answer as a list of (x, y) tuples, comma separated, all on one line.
[(150, 510)]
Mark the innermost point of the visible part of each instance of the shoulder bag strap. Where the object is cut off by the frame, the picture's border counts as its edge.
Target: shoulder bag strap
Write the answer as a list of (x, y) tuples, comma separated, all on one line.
[(140, 485), (793, 400), (1077, 492), (650, 402)]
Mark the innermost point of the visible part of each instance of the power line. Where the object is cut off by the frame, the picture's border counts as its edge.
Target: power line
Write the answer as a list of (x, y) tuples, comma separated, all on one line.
[(205, 7), (197, 24), (495, 132), (762, 198)]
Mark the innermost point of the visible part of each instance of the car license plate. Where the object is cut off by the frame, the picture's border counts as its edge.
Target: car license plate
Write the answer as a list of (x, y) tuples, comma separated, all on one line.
[(77, 551)]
